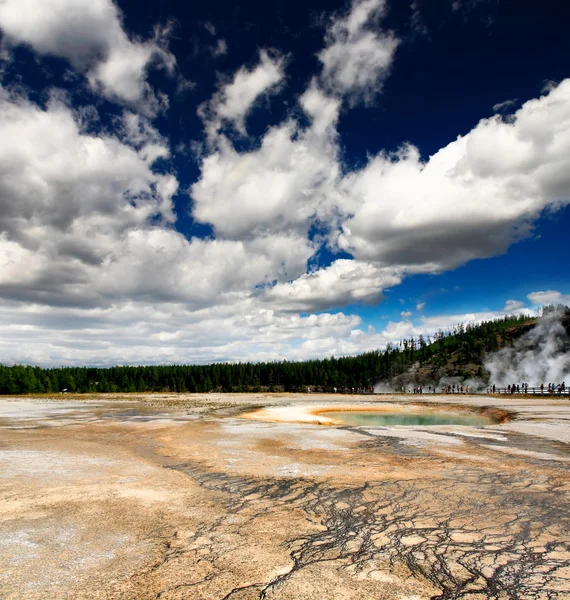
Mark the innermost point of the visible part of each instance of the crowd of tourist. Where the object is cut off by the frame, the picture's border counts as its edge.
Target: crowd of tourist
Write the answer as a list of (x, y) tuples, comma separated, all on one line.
[(515, 388), (455, 389), (446, 389), (522, 388)]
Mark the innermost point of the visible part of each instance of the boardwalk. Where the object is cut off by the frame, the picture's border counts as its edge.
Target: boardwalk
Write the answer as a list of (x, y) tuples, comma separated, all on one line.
[(531, 391)]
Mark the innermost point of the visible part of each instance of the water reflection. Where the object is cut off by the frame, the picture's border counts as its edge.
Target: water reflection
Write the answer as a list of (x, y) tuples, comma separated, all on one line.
[(372, 418)]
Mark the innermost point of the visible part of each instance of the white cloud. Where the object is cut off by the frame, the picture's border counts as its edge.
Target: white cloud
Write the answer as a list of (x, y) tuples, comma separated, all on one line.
[(89, 276), (53, 174), (284, 185), (420, 306), (360, 341), (221, 48), (165, 333), (91, 36), (234, 100), (343, 282), (159, 264), (86, 221), (417, 21), (68, 198), (135, 333), (513, 305), (93, 270), (471, 199), (397, 215), (210, 27), (506, 105), (429, 325), (549, 297), (358, 55)]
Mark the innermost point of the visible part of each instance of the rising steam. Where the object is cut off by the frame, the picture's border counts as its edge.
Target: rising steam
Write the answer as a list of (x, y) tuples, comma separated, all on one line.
[(542, 355)]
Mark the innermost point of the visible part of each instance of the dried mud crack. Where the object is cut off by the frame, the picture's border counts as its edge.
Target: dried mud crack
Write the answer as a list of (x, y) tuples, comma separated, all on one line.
[(191, 501), (474, 549)]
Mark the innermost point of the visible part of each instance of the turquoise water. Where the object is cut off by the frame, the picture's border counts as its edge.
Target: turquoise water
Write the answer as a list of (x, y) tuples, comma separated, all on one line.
[(408, 418)]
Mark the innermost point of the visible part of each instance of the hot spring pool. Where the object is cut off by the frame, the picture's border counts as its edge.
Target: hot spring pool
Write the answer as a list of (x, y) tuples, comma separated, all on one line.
[(373, 418)]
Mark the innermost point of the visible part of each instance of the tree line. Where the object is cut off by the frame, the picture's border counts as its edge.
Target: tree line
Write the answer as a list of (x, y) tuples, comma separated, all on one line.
[(468, 343)]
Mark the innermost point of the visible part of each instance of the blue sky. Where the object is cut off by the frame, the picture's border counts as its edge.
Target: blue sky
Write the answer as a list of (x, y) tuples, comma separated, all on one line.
[(257, 181)]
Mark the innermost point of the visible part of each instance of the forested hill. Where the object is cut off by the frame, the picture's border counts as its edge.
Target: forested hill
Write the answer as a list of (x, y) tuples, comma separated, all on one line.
[(455, 353)]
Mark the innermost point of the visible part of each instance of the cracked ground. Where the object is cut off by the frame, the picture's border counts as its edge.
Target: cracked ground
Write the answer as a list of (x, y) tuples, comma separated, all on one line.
[(173, 496)]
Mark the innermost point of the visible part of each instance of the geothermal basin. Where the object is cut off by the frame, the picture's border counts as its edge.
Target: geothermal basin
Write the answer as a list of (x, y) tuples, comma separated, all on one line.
[(374, 414), (422, 418), (284, 496)]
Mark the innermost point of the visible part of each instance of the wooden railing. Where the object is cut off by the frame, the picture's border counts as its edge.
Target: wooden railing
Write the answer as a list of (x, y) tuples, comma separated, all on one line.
[(534, 391)]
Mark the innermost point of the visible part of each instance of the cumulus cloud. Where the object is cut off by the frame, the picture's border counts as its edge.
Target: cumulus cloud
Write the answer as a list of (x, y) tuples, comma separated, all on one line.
[(53, 173), (88, 274), (397, 214), (290, 182), (284, 185), (358, 55), (446, 322), (135, 333), (166, 333), (67, 197), (91, 36), (471, 199), (343, 282), (87, 225), (92, 271), (513, 305), (548, 297), (420, 306), (233, 101), (85, 220)]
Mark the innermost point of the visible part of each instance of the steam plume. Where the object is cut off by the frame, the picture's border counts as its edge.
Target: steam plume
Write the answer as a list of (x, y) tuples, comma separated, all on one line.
[(542, 355)]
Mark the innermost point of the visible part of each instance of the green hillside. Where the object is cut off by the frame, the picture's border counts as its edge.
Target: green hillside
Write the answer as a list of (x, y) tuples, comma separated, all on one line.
[(459, 355), (455, 353)]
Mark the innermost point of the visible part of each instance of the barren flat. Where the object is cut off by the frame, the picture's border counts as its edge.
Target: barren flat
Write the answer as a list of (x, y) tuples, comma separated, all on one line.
[(261, 496)]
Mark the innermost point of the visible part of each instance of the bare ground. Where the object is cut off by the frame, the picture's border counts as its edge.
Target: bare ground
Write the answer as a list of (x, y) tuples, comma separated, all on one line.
[(178, 496)]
